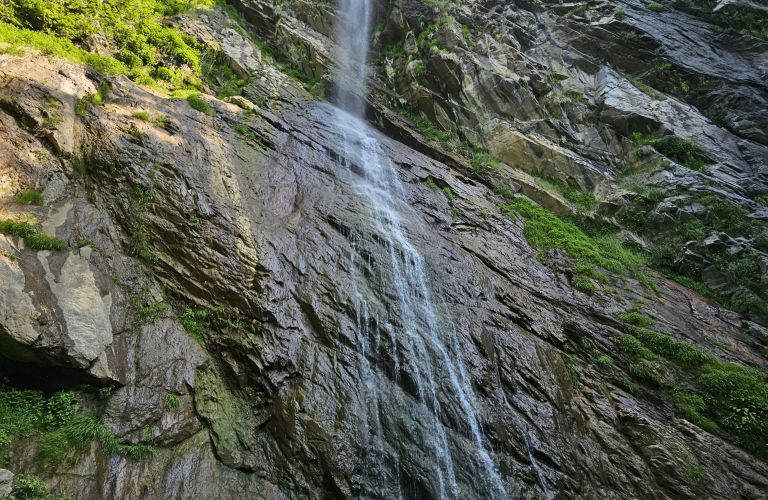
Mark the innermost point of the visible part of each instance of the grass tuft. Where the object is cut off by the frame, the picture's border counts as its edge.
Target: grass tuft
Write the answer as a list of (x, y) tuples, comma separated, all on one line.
[(30, 197)]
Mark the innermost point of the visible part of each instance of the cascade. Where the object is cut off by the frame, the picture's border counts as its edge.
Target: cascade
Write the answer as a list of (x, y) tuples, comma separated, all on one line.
[(404, 336)]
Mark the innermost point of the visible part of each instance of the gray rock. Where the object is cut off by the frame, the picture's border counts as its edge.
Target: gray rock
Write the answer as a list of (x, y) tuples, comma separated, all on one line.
[(6, 483)]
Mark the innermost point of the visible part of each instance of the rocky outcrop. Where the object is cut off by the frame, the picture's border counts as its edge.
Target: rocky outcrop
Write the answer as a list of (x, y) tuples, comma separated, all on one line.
[(240, 275)]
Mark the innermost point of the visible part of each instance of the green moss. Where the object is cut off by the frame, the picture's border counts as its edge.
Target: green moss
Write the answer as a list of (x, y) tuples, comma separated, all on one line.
[(655, 7), (448, 193), (30, 197)]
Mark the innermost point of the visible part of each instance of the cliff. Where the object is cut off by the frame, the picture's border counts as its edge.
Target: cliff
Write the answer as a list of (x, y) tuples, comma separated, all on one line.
[(212, 302)]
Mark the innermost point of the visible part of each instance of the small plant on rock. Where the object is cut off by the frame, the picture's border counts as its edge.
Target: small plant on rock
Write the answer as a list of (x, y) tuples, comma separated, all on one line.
[(172, 402), (200, 105), (30, 197)]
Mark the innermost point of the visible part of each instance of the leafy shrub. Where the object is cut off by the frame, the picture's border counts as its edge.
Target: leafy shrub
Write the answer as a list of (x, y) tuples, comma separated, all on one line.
[(30, 196), (29, 487)]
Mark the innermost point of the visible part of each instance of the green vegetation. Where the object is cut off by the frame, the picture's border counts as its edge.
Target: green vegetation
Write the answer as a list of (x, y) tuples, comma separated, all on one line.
[(200, 105), (199, 321), (742, 20), (172, 402), (30, 197), (467, 35), (635, 318), (544, 230), (674, 148), (32, 236), (583, 201), (94, 99), (429, 130), (152, 53), (722, 216), (604, 362), (144, 313), (140, 245), (727, 399), (244, 131), (576, 10), (573, 375), (30, 487), (583, 284), (77, 434), (431, 183), (141, 115), (619, 12), (448, 193), (26, 413), (106, 392), (655, 7), (196, 322)]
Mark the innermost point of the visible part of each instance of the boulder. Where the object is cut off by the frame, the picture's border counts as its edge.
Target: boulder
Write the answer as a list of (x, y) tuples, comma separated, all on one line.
[(6, 483)]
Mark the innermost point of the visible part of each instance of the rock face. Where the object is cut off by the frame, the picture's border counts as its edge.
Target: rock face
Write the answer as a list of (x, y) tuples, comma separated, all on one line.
[(244, 275)]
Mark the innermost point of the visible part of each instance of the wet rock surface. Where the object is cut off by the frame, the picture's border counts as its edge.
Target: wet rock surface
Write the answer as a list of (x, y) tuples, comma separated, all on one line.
[(271, 233)]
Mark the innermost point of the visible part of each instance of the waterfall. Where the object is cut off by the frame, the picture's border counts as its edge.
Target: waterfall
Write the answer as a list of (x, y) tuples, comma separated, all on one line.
[(353, 35), (402, 333)]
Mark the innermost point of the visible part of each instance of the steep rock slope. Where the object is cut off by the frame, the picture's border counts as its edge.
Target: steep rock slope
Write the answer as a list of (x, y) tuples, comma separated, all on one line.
[(214, 258)]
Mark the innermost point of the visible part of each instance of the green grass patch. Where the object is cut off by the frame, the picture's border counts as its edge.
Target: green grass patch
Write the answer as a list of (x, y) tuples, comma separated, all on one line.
[(655, 7), (583, 201), (172, 402), (77, 434), (30, 197), (604, 362), (583, 284), (141, 115), (32, 236), (635, 318), (731, 400), (200, 105), (680, 150)]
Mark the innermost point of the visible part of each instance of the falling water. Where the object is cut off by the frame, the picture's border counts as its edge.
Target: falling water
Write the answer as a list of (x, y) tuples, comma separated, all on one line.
[(400, 316)]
